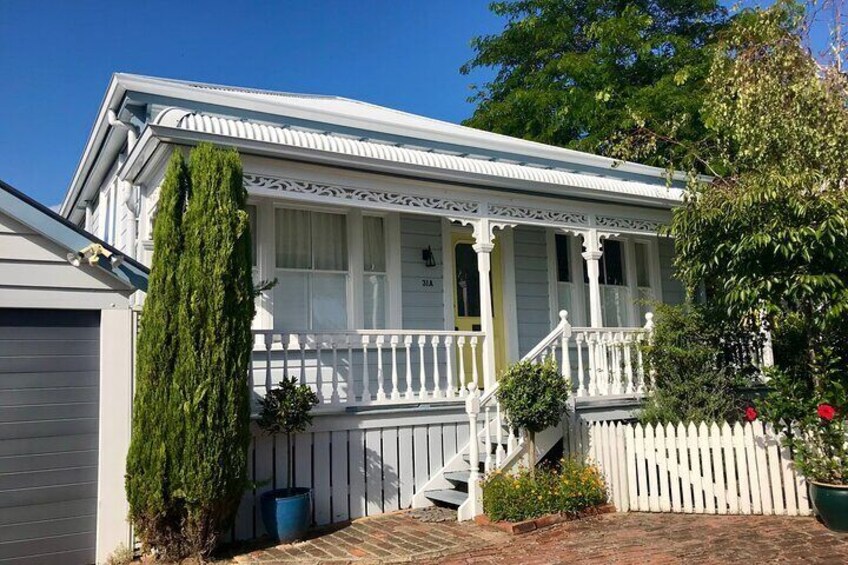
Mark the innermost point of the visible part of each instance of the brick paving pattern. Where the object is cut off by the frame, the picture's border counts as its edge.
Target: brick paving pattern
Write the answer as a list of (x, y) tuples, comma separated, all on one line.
[(392, 538), (635, 538), (643, 539)]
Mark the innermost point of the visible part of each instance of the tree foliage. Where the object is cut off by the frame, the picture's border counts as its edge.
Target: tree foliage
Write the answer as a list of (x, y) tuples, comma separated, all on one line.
[(700, 366), (203, 402), (585, 74), (768, 237), (148, 481)]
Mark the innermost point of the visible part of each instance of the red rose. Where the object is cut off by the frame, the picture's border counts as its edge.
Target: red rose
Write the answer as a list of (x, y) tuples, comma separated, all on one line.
[(826, 412), (750, 413)]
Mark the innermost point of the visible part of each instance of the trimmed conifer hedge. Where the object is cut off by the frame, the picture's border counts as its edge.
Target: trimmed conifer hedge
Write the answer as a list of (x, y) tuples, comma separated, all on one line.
[(187, 463)]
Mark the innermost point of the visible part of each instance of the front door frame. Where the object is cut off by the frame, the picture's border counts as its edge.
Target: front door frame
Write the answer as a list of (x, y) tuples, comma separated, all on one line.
[(460, 234)]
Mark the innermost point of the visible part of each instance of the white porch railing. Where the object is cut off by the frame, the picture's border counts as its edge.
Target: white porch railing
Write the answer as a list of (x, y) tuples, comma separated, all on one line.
[(608, 362), (370, 367)]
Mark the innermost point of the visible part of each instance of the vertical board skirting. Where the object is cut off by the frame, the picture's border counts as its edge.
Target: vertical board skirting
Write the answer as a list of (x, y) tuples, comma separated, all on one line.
[(738, 469), (353, 472)]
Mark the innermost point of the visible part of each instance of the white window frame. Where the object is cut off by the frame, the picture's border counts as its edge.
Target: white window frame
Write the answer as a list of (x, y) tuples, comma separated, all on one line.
[(579, 290), (266, 261), (579, 298), (654, 275)]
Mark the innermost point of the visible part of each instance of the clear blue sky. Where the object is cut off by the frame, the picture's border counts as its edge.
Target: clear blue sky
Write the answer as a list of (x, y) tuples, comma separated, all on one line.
[(56, 58)]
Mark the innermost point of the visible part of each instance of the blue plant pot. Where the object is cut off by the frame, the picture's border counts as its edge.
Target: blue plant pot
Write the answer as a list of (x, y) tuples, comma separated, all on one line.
[(286, 513)]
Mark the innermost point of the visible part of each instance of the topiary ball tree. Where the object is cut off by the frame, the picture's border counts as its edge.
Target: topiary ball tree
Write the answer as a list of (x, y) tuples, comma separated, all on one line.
[(534, 397), (286, 410)]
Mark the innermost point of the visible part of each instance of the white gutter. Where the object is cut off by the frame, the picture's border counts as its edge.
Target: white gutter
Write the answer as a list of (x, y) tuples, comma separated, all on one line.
[(132, 135)]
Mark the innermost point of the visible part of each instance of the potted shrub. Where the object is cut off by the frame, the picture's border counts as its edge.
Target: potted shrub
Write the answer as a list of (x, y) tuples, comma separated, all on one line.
[(286, 410), (534, 398), (821, 455)]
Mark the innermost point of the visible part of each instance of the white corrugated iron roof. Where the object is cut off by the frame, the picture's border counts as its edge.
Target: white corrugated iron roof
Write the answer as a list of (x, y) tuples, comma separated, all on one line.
[(372, 149)]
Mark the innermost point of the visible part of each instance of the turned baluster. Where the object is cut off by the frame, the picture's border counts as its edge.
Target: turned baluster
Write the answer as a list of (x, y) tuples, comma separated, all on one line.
[(381, 391), (407, 344), (395, 392), (366, 377)]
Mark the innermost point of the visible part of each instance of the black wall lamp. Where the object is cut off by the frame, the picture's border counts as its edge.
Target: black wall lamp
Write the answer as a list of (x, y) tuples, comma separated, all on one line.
[(428, 257)]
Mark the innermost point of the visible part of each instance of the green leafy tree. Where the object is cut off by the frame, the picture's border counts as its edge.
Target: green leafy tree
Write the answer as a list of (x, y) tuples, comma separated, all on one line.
[(586, 74), (148, 481), (286, 410), (534, 397), (768, 238), (187, 468)]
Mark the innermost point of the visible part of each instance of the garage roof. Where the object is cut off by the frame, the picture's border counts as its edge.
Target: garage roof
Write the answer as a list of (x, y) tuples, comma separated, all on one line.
[(54, 227)]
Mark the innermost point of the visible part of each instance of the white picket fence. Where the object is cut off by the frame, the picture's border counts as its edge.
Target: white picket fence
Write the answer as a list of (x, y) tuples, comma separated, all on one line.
[(739, 469)]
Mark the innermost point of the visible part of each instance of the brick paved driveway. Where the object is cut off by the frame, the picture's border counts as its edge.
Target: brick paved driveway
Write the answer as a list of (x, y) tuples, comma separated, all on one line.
[(641, 538), (614, 538)]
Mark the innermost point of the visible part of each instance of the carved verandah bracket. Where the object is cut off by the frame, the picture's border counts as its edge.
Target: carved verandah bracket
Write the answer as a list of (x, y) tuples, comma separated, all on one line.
[(592, 238), (483, 231)]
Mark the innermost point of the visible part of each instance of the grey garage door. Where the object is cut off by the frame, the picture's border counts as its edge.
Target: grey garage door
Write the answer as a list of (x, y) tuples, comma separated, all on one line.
[(49, 376)]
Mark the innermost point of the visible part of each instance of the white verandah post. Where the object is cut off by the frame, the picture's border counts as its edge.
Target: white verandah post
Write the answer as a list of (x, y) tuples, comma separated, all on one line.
[(592, 253), (484, 244), (484, 267)]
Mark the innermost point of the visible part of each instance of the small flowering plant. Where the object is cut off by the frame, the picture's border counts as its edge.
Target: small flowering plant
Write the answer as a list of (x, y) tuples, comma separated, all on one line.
[(571, 488), (820, 443)]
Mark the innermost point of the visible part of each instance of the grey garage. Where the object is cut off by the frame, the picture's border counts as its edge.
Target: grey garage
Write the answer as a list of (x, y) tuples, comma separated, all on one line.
[(66, 338)]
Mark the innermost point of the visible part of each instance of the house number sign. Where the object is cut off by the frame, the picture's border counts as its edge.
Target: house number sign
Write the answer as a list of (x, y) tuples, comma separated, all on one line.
[(428, 283)]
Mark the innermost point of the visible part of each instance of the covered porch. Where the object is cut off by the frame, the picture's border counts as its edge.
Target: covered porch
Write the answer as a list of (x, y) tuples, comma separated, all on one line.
[(398, 297)]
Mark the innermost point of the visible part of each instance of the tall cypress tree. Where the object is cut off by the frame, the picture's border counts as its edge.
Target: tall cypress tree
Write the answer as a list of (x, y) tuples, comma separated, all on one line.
[(210, 396), (149, 489), (187, 466)]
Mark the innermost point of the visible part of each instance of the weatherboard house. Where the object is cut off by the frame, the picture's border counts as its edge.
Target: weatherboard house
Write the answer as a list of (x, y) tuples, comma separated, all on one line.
[(415, 259)]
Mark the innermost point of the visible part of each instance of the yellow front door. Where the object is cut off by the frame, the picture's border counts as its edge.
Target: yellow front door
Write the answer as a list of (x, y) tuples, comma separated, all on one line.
[(467, 296)]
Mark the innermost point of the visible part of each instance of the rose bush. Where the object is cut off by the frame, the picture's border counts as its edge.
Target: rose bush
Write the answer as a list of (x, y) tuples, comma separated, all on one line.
[(820, 444)]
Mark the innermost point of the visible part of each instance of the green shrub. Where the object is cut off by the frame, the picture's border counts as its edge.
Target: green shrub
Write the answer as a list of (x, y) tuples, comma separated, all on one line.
[(187, 466), (533, 397), (574, 487), (701, 371)]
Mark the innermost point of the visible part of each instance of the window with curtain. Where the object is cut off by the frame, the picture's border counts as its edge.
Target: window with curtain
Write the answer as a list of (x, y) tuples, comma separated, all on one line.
[(615, 297), (311, 269), (643, 280), (563, 267), (374, 277)]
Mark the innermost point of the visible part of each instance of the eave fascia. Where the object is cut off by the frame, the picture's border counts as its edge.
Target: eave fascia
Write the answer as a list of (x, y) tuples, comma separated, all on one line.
[(90, 156), (155, 134)]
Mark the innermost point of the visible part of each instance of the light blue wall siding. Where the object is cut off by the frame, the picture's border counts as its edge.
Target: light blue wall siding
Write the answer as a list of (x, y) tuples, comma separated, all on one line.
[(531, 287), (422, 305), (672, 289)]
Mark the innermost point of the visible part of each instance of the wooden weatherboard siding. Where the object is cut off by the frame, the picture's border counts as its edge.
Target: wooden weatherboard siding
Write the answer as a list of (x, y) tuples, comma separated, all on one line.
[(35, 272), (421, 286), (531, 287)]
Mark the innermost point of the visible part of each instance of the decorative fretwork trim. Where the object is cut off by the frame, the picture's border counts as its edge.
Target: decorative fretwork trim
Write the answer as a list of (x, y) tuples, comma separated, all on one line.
[(539, 214), (362, 194), (634, 224)]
